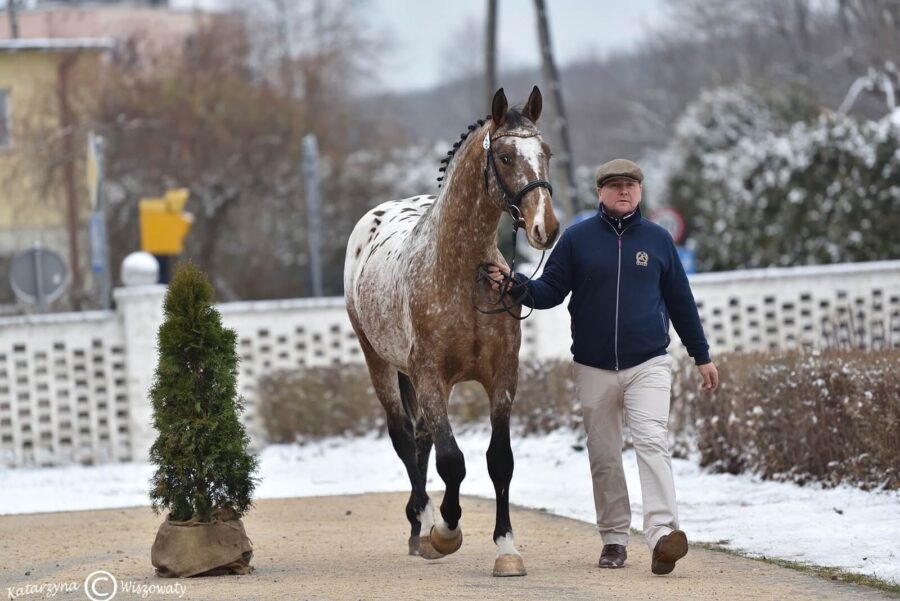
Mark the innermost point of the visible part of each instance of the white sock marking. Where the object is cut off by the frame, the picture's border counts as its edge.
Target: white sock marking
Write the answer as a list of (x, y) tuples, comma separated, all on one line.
[(506, 545), (444, 530), (426, 518)]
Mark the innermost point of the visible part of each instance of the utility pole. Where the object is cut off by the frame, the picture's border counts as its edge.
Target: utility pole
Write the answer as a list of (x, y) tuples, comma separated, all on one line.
[(565, 184), (490, 59), (313, 211), (67, 123), (96, 164), (13, 18)]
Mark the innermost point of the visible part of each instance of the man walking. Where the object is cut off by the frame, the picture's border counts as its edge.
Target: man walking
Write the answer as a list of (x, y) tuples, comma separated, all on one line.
[(626, 282)]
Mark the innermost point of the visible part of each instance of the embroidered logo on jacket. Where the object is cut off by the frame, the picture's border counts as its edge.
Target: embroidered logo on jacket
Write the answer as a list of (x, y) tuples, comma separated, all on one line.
[(642, 259)]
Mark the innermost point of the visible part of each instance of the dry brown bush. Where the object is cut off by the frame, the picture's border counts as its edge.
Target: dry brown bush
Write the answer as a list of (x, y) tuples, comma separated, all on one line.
[(831, 417), (318, 402), (545, 400), (340, 400)]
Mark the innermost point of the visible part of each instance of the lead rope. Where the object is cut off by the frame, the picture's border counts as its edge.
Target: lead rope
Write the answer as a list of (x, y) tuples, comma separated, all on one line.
[(483, 282), (483, 287)]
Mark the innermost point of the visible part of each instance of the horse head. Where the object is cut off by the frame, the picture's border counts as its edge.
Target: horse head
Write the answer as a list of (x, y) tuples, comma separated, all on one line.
[(518, 162)]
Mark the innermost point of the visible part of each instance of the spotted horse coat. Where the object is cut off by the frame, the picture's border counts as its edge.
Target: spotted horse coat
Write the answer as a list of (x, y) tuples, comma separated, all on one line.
[(408, 281)]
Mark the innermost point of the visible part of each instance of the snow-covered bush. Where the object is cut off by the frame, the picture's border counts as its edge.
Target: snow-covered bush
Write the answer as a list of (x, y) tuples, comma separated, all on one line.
[(831, 417), (763, 181)]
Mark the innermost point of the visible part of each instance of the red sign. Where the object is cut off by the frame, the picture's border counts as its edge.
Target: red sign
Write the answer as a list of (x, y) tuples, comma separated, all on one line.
[(671, 220)]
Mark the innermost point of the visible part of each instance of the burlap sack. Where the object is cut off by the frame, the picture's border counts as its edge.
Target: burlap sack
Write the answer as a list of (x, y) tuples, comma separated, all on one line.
[(193, 548)]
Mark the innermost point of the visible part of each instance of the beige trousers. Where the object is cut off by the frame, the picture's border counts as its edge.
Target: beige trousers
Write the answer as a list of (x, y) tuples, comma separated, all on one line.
[(641, 395)]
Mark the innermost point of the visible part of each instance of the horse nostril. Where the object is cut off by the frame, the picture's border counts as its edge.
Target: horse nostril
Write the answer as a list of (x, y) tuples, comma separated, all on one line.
[(552, 237), (536, 233)]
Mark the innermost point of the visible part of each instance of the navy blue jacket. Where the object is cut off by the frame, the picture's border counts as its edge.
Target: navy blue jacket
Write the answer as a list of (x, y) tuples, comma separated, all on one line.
[(626, 282)]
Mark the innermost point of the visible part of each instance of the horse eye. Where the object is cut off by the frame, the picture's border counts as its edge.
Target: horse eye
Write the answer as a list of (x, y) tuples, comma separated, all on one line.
[(505, 160)]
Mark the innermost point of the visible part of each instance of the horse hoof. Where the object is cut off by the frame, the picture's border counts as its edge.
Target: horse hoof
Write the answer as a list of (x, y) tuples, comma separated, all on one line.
[(413, 545), (446, 546), (509, 565), (424, 548)]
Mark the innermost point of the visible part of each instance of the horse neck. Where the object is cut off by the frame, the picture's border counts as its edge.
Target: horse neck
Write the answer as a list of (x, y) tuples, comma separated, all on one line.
[(467, 216)]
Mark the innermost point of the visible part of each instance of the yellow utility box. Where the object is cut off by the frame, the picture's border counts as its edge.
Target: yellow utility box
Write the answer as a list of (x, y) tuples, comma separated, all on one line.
[(164, 225)]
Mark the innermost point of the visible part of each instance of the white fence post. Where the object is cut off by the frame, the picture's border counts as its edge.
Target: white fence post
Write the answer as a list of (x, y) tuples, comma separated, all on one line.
[(140, 311)]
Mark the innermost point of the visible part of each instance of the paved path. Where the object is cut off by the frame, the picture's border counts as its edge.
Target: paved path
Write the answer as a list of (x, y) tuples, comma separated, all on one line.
[(354, 547)]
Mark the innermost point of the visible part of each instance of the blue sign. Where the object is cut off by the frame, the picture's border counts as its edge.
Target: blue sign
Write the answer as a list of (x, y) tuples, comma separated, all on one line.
[(688, 259), (581, 216)]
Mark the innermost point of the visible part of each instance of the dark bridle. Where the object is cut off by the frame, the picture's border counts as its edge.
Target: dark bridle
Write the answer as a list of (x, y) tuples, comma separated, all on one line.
[(512, 202)]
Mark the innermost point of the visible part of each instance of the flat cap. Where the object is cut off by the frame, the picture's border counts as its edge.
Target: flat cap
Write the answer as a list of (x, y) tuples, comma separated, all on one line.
[(619, 168)]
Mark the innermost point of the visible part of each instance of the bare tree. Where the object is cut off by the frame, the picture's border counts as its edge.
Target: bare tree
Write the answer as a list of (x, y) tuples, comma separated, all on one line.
[(321, 53)]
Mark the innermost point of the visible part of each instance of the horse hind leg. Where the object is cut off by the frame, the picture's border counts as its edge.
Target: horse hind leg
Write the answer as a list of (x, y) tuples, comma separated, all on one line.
[(402, 431), (424, 443), (419, 510), (446, 534)]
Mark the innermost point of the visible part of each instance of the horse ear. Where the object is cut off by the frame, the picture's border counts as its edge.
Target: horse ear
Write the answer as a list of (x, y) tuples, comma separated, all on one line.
[(499, 107), (534, 105)]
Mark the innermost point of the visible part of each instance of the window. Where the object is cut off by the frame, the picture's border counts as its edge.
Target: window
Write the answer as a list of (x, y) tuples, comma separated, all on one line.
[(4, 119)]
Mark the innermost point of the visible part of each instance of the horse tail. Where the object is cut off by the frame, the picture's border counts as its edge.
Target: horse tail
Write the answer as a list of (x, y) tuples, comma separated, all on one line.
[(408, 396)]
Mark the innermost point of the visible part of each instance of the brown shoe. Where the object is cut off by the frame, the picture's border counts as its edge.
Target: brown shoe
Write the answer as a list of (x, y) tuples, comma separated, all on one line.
[(613, 556), (668, 550)]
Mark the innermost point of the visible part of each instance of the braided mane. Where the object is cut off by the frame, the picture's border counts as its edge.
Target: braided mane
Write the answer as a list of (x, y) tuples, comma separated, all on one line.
[(445, 162), (514, 118)]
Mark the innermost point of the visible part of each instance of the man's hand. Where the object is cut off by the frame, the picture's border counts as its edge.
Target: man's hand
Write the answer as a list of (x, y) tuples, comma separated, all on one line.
[(710, 376), (496, 273)]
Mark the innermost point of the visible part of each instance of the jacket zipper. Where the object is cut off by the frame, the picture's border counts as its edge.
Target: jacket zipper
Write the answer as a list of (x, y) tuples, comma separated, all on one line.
[(618, 281)]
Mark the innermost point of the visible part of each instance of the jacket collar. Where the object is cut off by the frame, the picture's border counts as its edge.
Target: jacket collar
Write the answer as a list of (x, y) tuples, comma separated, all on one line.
[(620, 223)]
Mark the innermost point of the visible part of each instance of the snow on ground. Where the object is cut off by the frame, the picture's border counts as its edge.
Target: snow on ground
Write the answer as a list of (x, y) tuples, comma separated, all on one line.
[(843, 527)]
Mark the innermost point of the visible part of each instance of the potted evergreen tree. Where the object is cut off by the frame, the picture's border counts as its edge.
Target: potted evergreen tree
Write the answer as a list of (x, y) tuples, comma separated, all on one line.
[(204, 475)]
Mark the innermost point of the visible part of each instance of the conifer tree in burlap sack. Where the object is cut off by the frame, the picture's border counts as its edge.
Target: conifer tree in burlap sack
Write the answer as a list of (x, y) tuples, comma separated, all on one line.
[(204, 475)]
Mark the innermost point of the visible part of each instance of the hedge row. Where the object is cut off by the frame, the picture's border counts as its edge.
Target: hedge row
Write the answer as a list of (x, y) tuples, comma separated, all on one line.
[(831, 417), (339, 400)]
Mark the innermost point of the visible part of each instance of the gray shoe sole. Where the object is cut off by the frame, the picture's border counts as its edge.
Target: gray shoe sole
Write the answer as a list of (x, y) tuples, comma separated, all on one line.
[(611, 566)]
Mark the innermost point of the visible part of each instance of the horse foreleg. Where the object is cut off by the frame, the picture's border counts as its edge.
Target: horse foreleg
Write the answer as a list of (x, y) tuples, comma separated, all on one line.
[(446, 535), (500, 468)]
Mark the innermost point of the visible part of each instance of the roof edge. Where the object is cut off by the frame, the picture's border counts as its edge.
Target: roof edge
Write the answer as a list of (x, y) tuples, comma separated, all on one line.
[(56, 44)]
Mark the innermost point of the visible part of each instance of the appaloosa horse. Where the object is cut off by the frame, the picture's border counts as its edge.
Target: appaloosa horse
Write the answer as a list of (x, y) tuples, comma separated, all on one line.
[(408, 280)]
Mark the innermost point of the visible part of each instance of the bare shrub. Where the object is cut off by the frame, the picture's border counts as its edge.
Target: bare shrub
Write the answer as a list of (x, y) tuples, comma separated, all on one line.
[(340, 400), (832, 417), (545, 400), (318, 402)]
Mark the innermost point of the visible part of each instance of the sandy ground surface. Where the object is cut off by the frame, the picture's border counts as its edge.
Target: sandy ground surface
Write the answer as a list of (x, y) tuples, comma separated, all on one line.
[(355, 547)]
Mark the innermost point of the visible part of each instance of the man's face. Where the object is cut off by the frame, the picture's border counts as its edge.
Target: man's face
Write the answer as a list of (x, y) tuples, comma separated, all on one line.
[(620, 196)]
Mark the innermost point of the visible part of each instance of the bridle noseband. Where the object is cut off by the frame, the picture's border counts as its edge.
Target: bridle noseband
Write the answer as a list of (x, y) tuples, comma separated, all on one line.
[(512, 202)]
